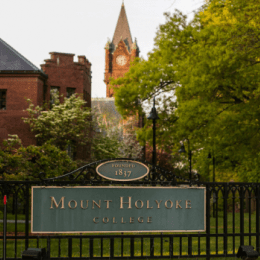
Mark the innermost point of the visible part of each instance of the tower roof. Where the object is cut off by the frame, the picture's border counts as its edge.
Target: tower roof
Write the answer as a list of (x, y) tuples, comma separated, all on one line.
[(12, 60), (122, 29)]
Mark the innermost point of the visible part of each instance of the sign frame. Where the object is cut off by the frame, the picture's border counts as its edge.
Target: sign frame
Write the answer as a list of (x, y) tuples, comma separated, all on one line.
[(117, 231), (118, 161)]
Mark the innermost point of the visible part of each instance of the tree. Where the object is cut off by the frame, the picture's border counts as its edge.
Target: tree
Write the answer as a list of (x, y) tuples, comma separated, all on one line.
[(19, 163), (65, 124), (114, 138), (211, 65)]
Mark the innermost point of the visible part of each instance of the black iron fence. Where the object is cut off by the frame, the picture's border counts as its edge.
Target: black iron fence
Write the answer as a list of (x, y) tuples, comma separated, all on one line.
[(232, 219)]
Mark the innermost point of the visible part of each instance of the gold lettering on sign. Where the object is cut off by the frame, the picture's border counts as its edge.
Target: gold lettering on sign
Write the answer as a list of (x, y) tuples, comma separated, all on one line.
[(123, 173), (140, 220), (123, 165), (94, 203), (141, 206), (148, 205), (158, 204), (114, 220), (188, 204), (75, 204), (149, 219), (105, 221), (129, 202), (131, 220), (94, 220), (107, 201), (56, 204), (122, 221), (81, 204), (166, 203), (178, 204)]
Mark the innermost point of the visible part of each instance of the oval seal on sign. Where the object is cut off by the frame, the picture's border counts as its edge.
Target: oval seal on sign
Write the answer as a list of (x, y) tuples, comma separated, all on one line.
[(122, 170)]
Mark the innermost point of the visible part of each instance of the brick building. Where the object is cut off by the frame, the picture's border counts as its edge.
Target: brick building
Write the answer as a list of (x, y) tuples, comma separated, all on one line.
[(67, 76), (118, 55), (20, 79), (119, 52)]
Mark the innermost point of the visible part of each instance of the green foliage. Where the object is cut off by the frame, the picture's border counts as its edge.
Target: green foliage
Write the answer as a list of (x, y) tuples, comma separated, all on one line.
[(105, 142), (9, 158), (66, 123), (114, 139), (206, 76), (19, 163)]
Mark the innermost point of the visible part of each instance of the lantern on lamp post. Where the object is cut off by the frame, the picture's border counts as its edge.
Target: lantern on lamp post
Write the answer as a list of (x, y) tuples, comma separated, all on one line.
[(153, 116)]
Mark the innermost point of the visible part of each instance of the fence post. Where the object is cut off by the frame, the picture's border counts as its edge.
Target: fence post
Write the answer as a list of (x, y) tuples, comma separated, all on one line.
[(189, 245), (171, 246), (132, 246), (257, 217), (15, 229), (207, 221), (225, 195), (4, 231), (242, 229), (152, 247), (111, 247), (27, 199), (49, 248), (91, 247), (70, 248)]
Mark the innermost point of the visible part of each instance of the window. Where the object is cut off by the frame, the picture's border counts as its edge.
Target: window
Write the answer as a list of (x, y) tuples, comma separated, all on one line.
[(54, 90), (3, 99), (70, 92)]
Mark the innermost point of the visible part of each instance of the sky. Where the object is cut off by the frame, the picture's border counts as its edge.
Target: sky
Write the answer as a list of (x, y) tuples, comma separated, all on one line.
[(82, 27)]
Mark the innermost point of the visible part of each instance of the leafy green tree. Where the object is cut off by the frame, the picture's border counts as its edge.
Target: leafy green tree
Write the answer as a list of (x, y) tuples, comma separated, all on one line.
[(9, 158), (71, 122), (65, 124), (105, 143), (18, 162), (115, 138), (129, 145), (206, 74)]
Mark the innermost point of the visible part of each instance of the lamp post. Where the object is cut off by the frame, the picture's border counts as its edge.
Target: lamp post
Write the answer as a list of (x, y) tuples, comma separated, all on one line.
[(153, 116), (214, 176), (182, 150), (214, 163), (209, 156), (144, 147)]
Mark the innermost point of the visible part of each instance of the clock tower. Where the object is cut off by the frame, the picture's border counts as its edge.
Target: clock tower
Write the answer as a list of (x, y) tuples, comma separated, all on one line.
[(120, 52)]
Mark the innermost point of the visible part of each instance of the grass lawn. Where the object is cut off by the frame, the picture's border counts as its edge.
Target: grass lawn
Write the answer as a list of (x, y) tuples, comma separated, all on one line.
[(20, 246), (12, 217)]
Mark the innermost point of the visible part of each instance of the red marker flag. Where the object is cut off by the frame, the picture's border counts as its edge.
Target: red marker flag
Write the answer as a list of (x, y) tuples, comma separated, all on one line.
[(5, 199)]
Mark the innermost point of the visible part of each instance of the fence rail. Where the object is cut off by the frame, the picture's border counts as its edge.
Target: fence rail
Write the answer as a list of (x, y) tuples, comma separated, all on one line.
[(232, 219)]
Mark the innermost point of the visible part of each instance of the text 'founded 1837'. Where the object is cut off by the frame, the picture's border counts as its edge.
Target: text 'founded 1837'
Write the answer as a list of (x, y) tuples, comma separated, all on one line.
[(122, 170), (117, 209)]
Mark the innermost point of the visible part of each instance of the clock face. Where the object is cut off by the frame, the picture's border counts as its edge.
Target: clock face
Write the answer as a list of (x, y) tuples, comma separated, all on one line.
[(121, 60)]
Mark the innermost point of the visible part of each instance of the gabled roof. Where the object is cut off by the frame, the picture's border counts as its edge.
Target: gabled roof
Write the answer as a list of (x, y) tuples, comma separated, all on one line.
[(122, 29), (11, 60), (106, 106)]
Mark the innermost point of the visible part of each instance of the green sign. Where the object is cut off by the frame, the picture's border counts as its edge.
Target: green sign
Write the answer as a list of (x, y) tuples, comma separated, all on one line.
[(117, 209), (122, 170)]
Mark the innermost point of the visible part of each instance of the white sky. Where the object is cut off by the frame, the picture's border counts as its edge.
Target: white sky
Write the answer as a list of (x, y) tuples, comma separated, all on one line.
[(34, 28)]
